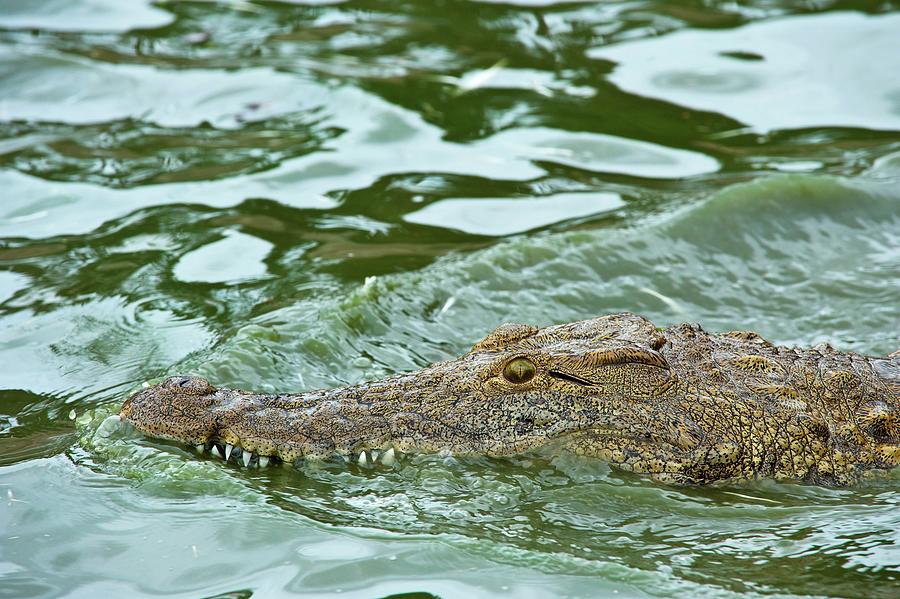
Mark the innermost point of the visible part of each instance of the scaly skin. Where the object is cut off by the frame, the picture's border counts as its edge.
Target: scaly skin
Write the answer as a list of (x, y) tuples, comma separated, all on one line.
[(679, 404)]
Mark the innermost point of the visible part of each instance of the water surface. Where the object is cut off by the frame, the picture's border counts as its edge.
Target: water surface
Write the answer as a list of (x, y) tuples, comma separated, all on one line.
[(293, 195)]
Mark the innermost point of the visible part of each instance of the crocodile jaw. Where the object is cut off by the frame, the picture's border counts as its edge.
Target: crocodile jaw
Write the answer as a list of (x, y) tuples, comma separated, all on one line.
[(353, 423), (191, 411)]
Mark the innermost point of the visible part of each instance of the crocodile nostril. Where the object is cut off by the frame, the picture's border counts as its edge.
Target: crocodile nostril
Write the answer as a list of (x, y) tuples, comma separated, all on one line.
[(186, 381)]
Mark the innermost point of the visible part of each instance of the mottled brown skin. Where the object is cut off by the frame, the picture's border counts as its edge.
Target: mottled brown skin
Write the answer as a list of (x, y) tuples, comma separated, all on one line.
[(680, 404)]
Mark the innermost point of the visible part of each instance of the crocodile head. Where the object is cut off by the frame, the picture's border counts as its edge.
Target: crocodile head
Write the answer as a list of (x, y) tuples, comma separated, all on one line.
[(517, 390), (681, 405)]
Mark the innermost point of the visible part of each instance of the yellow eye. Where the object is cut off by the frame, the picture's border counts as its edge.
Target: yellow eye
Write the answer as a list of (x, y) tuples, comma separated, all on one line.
[(519, 370)]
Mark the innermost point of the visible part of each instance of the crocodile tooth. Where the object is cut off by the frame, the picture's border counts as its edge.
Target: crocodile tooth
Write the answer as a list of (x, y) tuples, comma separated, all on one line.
[(388, 458), (200, 448), (374, 455), (263, 461), (362, 461), (215, 451), (246, 457), (228, 449)]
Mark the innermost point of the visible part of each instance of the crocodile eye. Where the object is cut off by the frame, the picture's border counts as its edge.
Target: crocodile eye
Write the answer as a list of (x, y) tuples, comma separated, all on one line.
[(519, 370)]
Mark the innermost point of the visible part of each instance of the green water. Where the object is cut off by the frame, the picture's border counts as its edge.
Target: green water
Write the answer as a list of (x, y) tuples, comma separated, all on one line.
[(292, 195)]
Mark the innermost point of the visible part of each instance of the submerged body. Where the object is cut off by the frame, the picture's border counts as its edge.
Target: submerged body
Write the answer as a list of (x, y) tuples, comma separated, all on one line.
[(679, 404)]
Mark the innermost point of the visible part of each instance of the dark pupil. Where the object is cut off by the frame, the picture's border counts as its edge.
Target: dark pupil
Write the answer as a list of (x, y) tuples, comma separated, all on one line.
[(519, 370)]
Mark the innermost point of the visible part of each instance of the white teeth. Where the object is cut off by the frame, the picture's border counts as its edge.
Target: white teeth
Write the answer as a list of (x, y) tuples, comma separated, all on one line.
[(374, 455), (388, 458), (263, 461), (215, 451), (362, 461), (199, 448), (246, 457), (228, 449)]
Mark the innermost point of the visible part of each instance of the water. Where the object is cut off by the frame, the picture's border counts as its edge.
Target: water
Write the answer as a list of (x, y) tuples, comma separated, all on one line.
[(298, 195)]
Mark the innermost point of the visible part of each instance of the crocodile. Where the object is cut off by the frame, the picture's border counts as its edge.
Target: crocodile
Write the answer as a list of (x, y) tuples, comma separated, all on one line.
[(678, 404)]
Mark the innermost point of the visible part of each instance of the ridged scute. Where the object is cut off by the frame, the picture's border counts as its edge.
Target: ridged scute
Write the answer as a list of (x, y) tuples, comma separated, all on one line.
[(504, 335)]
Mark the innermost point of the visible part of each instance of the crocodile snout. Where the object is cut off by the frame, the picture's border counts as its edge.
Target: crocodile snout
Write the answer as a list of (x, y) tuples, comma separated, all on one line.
[(181, 408)]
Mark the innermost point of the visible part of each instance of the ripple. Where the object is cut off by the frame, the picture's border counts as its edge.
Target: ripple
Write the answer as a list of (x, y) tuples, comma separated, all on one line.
[(66, 89), (10, 284), (718, 82), (85, 15), (128, 153), (39, 208), (488, 216), (32, 426), (597, 152), (238, 257), (817, 70), (83, 339)]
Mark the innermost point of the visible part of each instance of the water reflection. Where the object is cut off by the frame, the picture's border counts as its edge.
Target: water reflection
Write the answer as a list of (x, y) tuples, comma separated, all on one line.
[(237, 257), (808, 71), (595, 152), (85, 15), (485, 216)]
